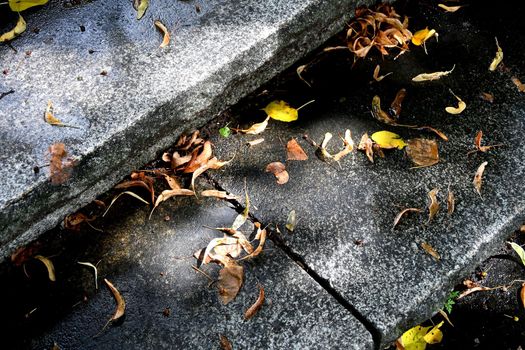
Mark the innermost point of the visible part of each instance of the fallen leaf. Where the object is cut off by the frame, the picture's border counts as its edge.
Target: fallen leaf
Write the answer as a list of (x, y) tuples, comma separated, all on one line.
[(281, 110), (403, 212), (21, 5), (478, 177), (231, 277), (435, 335), (59, 166), (418, 337), (388, 140), (49, 266), (300, 71), (50, 118), (94, 268), (213, 163), (479, 147), (73, 221), (423, 152), (225, 131), (433, 208), (421, 36), (348, 145), (320, 150), (456, 110), (166, 34), (138, 183), (140, 6), (430, 250), (278, 169), (449, 8), (19, 28), (255, 142), (366, 145), (261, 236), (252, 310), (519, 250), (255, 129), (291, 221), (497, 59), (522, 294), (200, 156), (225, 343), (376, 74), (242, 217), (445, 316), (473, 287), (294, 151), (173, 183), (518, 83), (218, 194), (121, 304), (487, 97), (167, 194), (129, 193), (451, 202), (379, 114), (432, 76), (435, 131), (23, 254), (395, 106)]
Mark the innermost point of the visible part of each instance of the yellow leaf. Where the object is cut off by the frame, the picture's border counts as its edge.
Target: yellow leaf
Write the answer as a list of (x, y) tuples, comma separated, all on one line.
[(449, 8), (413, 338), (422, 35), (280, 110), (141, 6), (435, 335), (497, 59), (386, 139), (16, 31), (456, 110), (21, 5)]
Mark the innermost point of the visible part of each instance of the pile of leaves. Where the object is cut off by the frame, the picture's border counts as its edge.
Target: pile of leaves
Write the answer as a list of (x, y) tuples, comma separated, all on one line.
[(380, 28)]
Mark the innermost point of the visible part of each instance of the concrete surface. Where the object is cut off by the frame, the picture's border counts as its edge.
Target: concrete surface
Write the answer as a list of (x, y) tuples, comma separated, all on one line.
[(344, 232), (105, 73), (150, 261)]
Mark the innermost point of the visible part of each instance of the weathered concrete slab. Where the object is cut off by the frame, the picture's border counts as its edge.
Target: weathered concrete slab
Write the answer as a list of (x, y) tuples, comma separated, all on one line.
[(345, 215), (150, 263), (104, 73)]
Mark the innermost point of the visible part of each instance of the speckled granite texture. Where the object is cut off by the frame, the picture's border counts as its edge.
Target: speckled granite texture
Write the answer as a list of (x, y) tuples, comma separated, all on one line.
[(146, 96)]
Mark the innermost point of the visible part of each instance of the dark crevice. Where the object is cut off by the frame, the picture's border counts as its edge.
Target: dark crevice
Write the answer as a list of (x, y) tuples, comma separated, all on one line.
[(298, 259)]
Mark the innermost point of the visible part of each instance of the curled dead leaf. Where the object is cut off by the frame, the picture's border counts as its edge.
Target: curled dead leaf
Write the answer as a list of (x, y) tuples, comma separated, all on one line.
[(478, 177), (379, 114), (255, 129), (456, 110), (218, 194), (225, 343), (291, 221), (423, 152), (431, 76), (49, 266), (430, 250), (479, 147), (403, 212), (255, 142), (129, 193), (121, 303), (300, 71), (449, 8), (294, 151), (278, 169), (230, 281), (88, 264), (60, 166), (348, 145), (497, 59), (522, 294), (167, 194), (518, 83), (376, 74), (73, 221), (261, 236), (451, 202), (433, 208), (147, 183), (252, 310), (395, 106), (366, 145), (166, 35), (487, 97), (199, 157)]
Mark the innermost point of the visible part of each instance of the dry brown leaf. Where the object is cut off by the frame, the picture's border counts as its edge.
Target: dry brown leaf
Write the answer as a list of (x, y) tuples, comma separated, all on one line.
[(261, 236), (291, 221), (478, 177), (451, 202), (278, 169), (497, 59), (449, 8), (473, 287), (294, 151), (60, 167), (376, 74), (348, 144), (366, 145), (518, 83), (72, 221), (456, 110), (255, 129), (423, 152), (49, 266), (487, 97), (225, 343), (300, 71), (320, 150), (177, 160), (167, 194), (184, 143), (129, 193), (138, 183), (479, 147), (432, 76), (255, 142), (403, 212), (165, 33), (430, 250), (379, 114), (231, 277), (252, 310), (199, 157), (49, 116), (121, 303), (23, 254), (433, 208), (172, 182), (395, 106), (218, 194), (209, 165), (88, 264), (522, 294), (231, 242)]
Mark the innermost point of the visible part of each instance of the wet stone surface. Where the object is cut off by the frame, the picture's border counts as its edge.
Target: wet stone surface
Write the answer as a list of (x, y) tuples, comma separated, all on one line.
[(149, 261), (105, 74), (345, 214)]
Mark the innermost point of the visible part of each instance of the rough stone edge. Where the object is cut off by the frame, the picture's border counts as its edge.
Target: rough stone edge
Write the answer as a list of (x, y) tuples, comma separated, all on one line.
[(36, 213)]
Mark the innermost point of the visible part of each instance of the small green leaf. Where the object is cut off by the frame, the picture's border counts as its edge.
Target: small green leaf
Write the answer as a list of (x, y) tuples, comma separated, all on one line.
[(225, 131), (518, 249)]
